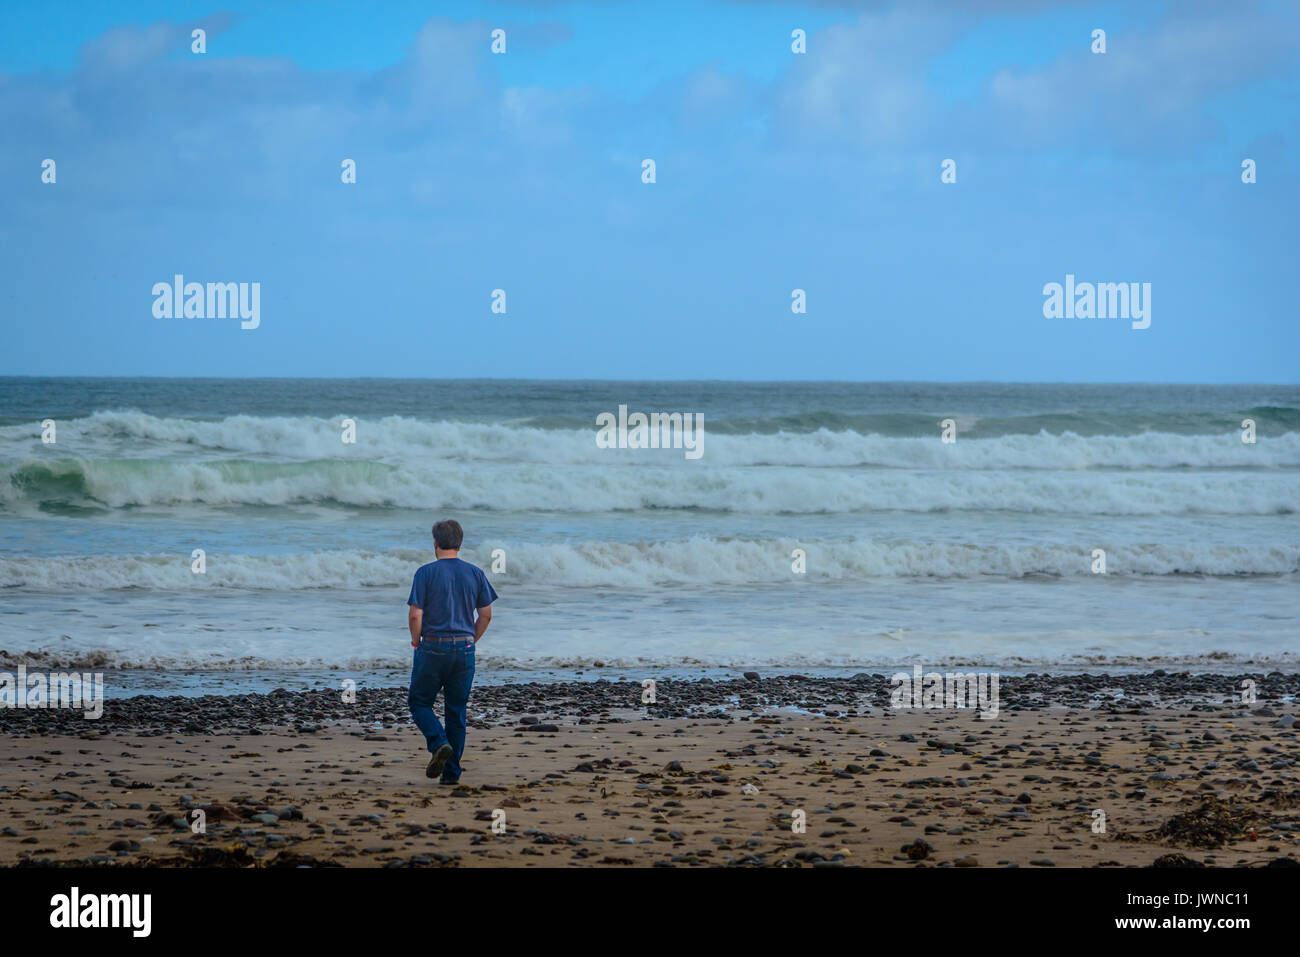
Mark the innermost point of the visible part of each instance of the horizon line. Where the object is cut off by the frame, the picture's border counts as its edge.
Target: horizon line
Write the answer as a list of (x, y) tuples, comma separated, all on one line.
[(361, 378)]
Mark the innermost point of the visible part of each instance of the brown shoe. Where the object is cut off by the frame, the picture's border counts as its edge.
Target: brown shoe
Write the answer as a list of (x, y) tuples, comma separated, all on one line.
[(437, 761)]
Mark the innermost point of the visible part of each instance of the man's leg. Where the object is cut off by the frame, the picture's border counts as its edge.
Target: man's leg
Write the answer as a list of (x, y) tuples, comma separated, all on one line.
[(459, 680), (426, 681)]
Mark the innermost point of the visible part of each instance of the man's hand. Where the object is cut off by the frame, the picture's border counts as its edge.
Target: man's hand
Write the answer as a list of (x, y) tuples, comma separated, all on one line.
[(481, 623), (415, 621)]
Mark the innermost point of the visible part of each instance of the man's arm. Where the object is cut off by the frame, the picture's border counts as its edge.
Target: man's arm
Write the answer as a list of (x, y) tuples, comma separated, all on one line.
[(415, 621), (482, 621)]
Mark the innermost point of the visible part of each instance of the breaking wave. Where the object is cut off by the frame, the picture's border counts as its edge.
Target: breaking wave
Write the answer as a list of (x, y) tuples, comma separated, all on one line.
[(698, 561)]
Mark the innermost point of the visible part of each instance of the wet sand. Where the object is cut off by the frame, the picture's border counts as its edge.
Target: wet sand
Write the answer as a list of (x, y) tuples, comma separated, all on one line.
[(1204, 783)]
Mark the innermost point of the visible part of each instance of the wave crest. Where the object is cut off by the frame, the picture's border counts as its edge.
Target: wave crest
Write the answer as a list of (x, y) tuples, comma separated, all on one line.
[(697, 561), (399, 439)]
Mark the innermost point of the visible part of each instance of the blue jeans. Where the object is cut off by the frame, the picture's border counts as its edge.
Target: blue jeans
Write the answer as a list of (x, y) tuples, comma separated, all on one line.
[(447, 667)]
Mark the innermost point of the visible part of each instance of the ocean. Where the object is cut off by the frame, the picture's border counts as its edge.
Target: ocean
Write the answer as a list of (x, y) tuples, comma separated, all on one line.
[(636, 562)]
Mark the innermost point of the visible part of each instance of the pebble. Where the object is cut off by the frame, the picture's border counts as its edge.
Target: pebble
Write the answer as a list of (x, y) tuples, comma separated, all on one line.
[(254, 714)]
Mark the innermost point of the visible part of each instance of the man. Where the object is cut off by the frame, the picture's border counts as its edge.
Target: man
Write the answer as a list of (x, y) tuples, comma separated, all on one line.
[(450, 608)]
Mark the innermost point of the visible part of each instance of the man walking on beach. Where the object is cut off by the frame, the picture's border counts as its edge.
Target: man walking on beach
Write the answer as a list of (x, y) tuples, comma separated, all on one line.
[(450, 607)]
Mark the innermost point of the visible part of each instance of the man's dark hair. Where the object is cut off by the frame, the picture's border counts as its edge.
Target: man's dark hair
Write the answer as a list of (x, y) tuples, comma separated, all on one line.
[(448, 535)]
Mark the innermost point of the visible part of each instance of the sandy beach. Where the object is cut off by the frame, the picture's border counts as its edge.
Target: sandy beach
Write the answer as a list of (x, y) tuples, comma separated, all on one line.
[(576, 775)]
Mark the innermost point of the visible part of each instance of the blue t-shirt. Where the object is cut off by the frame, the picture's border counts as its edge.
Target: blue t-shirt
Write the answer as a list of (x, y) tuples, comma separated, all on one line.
[(448, 591)]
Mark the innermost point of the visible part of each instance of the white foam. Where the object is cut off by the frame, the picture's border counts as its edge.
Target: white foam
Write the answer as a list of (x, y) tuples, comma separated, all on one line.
[(696, 562), (121, 483), (401, 439)]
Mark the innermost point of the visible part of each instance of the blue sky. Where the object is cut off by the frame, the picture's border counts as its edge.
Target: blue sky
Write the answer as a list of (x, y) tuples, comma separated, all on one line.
[(775, 171)]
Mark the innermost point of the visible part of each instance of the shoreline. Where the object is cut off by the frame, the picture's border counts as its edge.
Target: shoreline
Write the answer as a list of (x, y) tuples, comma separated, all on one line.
[(125, 685), (585, 701)]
